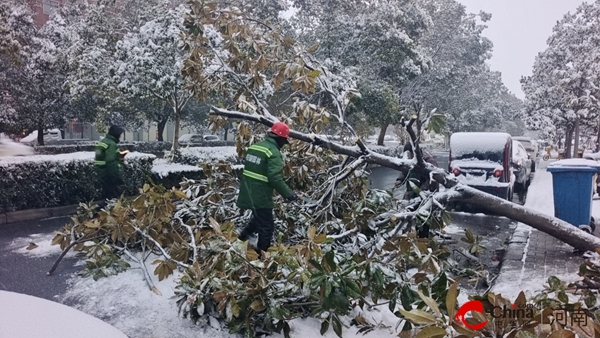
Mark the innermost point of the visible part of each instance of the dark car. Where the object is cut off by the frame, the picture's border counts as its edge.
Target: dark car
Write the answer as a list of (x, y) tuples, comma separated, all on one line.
[(483, 161), (530, 146), (522, 164)]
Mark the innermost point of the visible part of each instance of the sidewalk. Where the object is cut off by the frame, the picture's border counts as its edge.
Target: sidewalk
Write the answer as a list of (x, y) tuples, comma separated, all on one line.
[(532, 255)]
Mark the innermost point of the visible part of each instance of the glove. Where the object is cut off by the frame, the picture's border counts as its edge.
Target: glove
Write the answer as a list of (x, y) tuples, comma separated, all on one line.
[(293, 197)]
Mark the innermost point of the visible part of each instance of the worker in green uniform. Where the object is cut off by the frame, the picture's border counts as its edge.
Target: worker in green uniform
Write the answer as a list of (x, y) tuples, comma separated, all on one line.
[(262, 175), (108, 161)]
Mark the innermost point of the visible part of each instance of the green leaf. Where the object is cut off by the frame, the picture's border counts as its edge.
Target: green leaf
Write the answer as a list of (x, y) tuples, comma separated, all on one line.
[(324, 326), (286, 330), (562, 296), (440, 285), (316, 265), (590, 300), (418, 316), (436, 123), (330, 260), (337, 326), (352, 289), (555, 283), (432, 332), (407, 297)]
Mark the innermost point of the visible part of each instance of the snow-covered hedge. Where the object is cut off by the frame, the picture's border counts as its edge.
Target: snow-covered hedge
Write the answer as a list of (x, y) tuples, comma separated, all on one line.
[(139, 146), (195, 155), (42, 181)]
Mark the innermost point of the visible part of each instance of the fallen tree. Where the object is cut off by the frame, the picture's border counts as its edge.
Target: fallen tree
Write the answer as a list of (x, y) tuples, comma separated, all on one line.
[(555, 227)]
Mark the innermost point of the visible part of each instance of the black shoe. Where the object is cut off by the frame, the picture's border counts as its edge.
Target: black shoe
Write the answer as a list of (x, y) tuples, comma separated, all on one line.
[(243, 236)]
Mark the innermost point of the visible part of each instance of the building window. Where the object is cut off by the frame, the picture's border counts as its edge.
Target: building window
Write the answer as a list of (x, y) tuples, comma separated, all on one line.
[(49, 6)]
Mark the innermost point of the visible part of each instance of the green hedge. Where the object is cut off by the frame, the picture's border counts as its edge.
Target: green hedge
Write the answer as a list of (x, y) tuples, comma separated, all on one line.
[(43, 181)]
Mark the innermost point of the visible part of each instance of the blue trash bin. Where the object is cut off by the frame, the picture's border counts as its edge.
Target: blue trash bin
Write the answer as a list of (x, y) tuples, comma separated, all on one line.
[(572, 183)]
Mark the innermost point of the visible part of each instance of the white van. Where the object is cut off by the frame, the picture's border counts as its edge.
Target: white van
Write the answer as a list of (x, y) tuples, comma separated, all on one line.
[(49, 136)]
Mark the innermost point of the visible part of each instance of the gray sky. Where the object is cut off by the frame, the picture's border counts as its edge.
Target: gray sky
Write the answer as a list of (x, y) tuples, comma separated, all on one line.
[(519, 30)]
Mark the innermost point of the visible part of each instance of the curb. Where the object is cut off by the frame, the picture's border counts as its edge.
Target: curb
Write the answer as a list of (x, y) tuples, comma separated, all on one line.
[(31, 214)]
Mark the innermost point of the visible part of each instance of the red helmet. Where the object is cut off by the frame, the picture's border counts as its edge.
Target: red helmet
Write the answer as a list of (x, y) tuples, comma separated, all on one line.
[(280, 129)]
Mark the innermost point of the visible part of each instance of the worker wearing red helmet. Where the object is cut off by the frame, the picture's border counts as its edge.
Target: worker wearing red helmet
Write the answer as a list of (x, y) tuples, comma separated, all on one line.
[(262, 175)]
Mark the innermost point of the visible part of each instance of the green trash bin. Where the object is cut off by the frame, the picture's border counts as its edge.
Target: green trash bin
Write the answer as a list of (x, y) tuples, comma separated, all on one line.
[(572, 185)]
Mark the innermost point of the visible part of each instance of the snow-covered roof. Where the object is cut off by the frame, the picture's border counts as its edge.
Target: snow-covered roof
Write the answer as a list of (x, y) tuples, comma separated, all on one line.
[(468, 143)]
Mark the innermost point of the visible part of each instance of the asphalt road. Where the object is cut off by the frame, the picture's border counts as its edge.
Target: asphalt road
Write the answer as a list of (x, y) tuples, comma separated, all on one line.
[(27, 274)]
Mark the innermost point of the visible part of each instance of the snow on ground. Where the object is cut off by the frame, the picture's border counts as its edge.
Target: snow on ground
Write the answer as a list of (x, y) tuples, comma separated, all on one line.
[(43, 246), (540, 199)]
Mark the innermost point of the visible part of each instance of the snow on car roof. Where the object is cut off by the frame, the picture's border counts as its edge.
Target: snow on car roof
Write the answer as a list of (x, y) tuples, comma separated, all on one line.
[(468, 143)]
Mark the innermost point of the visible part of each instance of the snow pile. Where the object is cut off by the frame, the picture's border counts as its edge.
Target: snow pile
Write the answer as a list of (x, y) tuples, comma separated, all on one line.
[(216, 153), (162, 168)]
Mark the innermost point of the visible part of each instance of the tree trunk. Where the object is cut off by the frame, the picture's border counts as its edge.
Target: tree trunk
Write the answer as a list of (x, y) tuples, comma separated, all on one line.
[(40, 136), (177, 112), (598, 136), (568, 142), (576, 143), (382, 134), (555, 227), (161, 128)]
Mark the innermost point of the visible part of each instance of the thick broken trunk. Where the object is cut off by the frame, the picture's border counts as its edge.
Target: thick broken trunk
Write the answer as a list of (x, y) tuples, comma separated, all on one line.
[(553, 226)]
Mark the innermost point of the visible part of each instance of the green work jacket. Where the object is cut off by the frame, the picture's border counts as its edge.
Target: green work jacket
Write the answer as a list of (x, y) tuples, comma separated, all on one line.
[(107, 159), (262, 175)]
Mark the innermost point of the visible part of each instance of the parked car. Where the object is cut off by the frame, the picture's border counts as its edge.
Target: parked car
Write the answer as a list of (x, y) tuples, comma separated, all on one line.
[(197, 138), (521, 167), (483, 161), (50, 136), (530, 146), (190, 138)]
